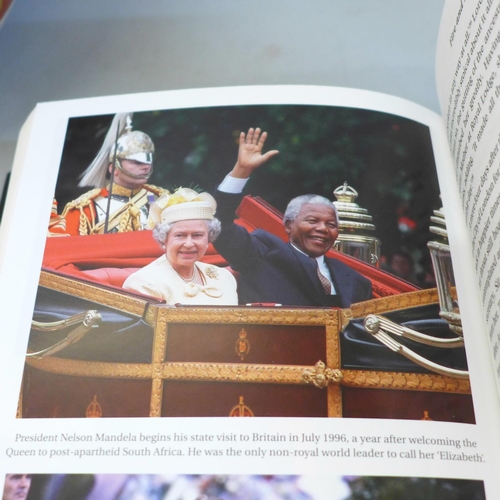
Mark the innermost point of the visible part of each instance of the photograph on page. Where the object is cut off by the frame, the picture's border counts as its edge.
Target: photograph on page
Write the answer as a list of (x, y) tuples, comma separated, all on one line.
[(234, 487), (186, 274)]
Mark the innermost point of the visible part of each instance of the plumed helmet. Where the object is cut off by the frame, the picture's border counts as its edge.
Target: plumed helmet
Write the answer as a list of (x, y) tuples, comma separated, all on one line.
[(131, 145), (135, 145)]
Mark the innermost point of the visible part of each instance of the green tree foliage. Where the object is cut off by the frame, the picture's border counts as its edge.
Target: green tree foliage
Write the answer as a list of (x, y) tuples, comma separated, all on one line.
[(387, 159), (412, 488)]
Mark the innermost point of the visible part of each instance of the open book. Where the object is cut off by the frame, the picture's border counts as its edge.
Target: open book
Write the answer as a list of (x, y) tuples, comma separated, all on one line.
[(113, 392)]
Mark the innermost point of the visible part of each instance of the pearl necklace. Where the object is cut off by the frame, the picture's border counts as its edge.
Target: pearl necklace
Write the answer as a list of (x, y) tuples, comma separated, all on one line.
[(189, 280)]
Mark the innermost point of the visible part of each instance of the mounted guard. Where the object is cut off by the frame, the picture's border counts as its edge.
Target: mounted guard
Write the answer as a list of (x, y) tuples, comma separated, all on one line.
[(121, 168)]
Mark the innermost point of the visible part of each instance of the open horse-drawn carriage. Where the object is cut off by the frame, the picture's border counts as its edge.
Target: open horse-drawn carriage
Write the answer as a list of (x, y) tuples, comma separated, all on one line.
[(97, 350)]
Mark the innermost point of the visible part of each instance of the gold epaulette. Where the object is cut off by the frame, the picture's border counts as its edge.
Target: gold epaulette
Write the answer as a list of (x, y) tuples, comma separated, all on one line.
[(158, 191), (82, 201)]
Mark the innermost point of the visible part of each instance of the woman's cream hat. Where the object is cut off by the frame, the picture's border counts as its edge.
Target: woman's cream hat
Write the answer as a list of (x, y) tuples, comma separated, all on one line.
[(183, 204)]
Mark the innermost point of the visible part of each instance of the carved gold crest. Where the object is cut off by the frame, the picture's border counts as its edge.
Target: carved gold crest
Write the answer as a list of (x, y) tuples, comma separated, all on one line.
[(241, 410), (94, 409), (426, 416), (242, 346)]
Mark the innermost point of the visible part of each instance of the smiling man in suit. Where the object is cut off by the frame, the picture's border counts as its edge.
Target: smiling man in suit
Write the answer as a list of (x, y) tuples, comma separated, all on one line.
[(296, 273)]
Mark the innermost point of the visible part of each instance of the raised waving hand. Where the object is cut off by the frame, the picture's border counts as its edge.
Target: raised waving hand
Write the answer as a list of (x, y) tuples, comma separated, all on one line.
[(250, 155)]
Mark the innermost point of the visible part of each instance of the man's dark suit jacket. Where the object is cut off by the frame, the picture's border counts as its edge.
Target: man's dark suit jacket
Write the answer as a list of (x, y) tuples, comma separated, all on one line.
[(274, 271)]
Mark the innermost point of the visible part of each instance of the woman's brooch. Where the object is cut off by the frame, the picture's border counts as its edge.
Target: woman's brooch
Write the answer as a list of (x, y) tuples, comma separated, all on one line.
[(212, 272)]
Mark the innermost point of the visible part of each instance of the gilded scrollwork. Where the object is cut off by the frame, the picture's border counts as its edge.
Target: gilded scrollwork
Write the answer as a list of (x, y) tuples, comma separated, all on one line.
[(235, 372), (160, 337), (321, 376), (381, 290), (158, 356), (79, 368), (395, 302), (405, 381), (230, 372), (332, 347), (334, 400), (94, 293), (267, 316), (150, 316), (156, 398), (345, 317)]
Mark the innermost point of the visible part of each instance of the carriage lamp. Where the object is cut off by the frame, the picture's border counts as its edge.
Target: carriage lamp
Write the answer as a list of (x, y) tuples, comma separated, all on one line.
[(443, 270), (387, 332), (355, 227)]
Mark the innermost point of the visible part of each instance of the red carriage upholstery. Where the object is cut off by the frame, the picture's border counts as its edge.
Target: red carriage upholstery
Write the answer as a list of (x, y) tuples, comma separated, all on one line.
[(110, 258)]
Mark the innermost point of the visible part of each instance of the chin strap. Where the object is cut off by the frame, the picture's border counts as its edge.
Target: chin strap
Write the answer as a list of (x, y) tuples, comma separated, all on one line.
[(119, 166)]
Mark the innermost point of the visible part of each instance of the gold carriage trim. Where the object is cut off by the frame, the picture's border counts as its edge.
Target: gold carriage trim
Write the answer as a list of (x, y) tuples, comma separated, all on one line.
[(234, 315), (405, 381), (218, 372), (264, 374), (395, 302), (208, 372), (321, 376), (95, 293), (277, 316), (251, 315), (77, 368)]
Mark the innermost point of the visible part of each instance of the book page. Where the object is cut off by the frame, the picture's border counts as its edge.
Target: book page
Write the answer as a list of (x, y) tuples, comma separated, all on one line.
[(146, 404), (468, 81)]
